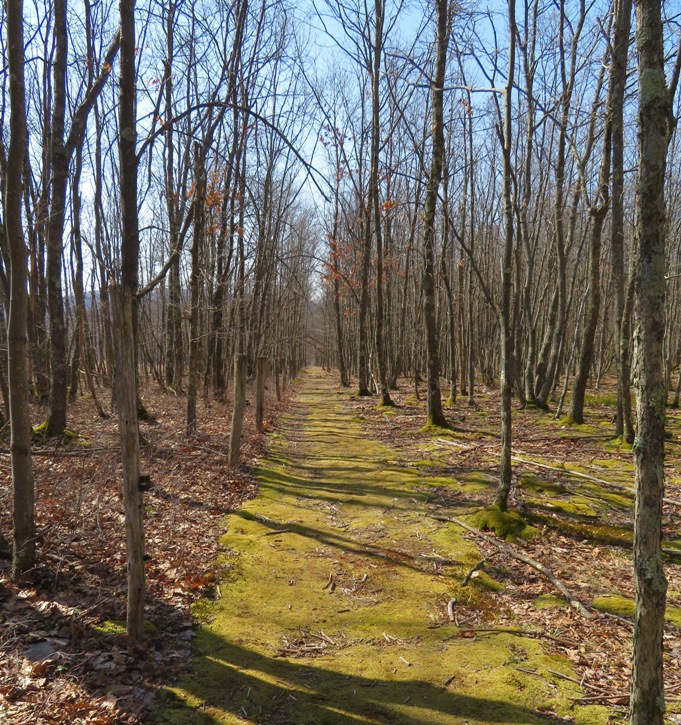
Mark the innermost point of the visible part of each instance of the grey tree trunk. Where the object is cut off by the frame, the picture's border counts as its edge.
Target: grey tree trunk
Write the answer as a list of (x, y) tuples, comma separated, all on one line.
[(260, 374), (126, 402), (23, 555), (434, 396), (195, 292), (597, 211), (59, 162), (654, 116), (375, 201), (505, 470), (239, 408), (123, 317), (624, 425)]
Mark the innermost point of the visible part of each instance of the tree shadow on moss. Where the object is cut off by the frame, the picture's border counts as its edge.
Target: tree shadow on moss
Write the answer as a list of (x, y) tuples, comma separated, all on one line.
[(231, 683)]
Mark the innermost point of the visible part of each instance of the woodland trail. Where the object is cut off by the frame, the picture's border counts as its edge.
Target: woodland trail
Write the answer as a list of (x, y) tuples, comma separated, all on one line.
[(333, 604)]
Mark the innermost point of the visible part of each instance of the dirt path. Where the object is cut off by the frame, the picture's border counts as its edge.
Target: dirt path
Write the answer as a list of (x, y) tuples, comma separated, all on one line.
[(334, 604)]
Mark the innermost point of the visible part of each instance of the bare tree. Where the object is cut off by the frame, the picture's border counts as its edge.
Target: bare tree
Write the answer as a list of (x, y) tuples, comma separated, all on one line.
[(444, 13), (23, 558), (123, 313), (654, 127), (506, 472)]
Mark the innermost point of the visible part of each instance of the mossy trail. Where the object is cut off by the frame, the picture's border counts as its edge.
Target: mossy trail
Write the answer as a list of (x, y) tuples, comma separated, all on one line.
[(333, 608)]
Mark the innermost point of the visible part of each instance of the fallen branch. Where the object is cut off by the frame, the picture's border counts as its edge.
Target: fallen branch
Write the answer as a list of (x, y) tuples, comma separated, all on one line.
[(521, 557), (463, 446), (587, 477), (520, 633)]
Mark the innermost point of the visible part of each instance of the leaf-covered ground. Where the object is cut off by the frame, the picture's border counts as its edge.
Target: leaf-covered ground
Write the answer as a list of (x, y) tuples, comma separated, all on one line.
[(343, 599), (336, 594), (63, 655)]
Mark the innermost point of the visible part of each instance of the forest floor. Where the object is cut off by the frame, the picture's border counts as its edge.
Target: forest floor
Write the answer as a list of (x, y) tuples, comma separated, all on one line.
[(336, 594), (341, 598), (63, 651)]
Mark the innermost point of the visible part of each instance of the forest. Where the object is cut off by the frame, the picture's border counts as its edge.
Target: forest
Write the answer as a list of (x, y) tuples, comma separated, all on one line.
[(340, 362)]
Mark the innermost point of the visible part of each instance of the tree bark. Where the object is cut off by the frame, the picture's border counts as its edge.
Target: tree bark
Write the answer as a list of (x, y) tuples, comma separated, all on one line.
[(260, 374), (654, 116), (123, 308), (375, 201), (59, 165), (624, 425), (126, 402), (506, 471), (435, 416), (23, 556), (195, 292), (239, 408)]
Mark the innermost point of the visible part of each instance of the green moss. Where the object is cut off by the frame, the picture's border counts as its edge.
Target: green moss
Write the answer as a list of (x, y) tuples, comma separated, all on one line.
[(595, 400), (428, 463), (40, 431), (483, 581), (623, 500), (595, 533), (479, 477), (118, 627), (537, 406), (432, 427), (614, 604), (619, 443), (335, 573), (68, 437), (505, 524), (574, 507), (614, 464), (529, 482), (549, 601), (625, 607)]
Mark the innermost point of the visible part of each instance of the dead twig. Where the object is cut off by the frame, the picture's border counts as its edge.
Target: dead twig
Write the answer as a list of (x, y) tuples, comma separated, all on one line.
[(534, 634), (521, 557)]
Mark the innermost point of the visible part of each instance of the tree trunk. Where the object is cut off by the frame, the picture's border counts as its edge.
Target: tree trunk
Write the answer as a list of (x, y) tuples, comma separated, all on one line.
[(239, 408), (195, 292), (375, 202), (126, 402), (59, 163), (23, 557), (654, 116), (123, 309), (435, 416), (506, 472), (260, 374), (624, 424)]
